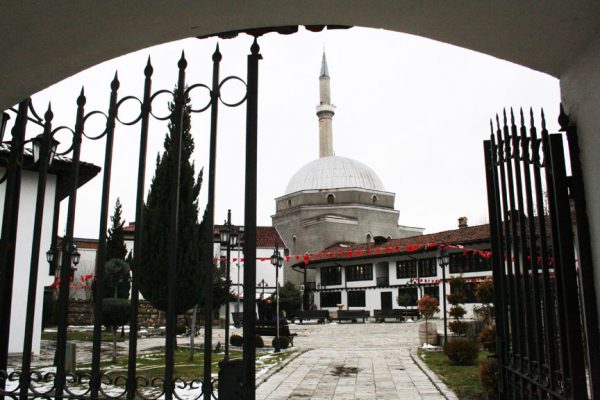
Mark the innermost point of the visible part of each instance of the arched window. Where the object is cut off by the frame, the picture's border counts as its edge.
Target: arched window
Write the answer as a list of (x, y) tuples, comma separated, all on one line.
[(330, 198), (374, 198), (289, 202), (369, 237)]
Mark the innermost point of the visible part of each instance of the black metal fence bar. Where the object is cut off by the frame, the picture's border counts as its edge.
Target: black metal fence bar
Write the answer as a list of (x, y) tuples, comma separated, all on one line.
[(8, 240), (207, 388), (497, 267), (98, 294), (67, 250), (170, 342), (548, 308), (249, 346), (35, 254), (138, 235)]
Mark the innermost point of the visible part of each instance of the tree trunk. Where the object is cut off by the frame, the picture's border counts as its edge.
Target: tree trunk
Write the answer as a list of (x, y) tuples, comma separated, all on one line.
[(426, 332), (192, 333), (114, 346)]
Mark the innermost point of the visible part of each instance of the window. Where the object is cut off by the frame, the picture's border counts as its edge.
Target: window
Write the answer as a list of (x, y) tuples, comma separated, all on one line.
[(331, 276), (406, 269), (374, 199), (356, 298), (330, 199), (289, 202), (359, 272), (428, 267), (432, 291), (461, 263), (331, 299), (407, 296), (468, 288)]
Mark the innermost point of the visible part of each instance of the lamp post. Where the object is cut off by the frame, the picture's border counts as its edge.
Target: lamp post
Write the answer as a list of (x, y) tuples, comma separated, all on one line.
[(262, 284), (444, 262), (277, 262), (239, 240), (227, 239)]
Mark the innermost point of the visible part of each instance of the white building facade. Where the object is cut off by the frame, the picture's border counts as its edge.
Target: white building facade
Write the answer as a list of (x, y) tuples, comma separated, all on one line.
[(371, 276)]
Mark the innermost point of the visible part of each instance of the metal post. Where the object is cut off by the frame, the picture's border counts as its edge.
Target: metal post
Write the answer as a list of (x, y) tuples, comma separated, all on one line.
[(277, 344), (138, 235), (444, 295), (44, 162), (250, 225), (228, 283), (67, 251), (173, 248), (237, 305), (210, 218)]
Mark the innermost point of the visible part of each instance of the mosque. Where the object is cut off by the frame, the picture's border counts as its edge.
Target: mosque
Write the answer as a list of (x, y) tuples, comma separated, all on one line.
[(333, 200)]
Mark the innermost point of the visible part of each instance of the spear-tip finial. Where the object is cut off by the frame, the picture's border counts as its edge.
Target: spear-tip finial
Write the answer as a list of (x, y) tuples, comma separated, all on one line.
[(543, 119), (255, 48), (522, 117), (217, 56), (81, 99), (114, 85), (504, 113), (531, 118), (512, 116), (49, 114), (148, 70), (182, 64), (497, 121)]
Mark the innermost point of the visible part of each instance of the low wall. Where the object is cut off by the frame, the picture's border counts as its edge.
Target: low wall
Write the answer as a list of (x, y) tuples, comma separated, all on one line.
[(81, 312)]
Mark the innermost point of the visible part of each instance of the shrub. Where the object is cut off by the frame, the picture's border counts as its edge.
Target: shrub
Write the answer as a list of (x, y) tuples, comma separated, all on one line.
[(456, 298), (236, 340), (457, 312), (458, 327), (284, 342), (260, 343), (488, 376), (487, 337), (461, 351)]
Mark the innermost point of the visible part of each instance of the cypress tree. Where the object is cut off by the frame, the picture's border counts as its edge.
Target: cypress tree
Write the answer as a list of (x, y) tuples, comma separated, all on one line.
[(155, 247), (115, 241)]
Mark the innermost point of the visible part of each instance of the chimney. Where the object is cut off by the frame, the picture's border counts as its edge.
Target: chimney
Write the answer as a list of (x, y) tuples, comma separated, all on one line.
[(462, 223)]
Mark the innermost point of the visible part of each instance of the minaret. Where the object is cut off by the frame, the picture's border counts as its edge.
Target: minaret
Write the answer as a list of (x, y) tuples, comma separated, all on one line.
[(325, 112)]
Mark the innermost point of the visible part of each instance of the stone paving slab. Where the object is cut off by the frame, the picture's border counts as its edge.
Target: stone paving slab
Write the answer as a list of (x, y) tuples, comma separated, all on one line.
[(352, 361)]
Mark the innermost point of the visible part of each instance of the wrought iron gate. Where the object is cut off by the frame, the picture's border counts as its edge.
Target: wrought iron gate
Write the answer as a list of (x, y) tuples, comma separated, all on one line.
[(25, 382), (545, 304)]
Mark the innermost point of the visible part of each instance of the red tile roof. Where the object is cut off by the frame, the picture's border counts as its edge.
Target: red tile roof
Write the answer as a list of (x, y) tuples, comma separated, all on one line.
[(266, 236), (461, 236)]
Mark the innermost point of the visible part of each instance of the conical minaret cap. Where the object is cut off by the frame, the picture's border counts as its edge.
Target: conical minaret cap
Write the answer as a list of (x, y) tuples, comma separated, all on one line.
[(324, 69)]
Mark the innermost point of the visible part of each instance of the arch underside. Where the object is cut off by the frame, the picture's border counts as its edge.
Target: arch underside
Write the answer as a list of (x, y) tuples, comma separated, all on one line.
[(43, 43)]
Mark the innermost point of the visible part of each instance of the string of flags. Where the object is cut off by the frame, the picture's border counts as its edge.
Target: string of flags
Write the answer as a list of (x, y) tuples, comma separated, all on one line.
[(307, 258)]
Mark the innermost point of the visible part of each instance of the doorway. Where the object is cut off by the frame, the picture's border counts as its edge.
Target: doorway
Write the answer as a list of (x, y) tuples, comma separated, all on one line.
[(386, 300)]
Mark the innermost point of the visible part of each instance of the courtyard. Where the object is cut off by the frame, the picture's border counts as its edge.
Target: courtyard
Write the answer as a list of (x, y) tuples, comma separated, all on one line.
[(328, 361)]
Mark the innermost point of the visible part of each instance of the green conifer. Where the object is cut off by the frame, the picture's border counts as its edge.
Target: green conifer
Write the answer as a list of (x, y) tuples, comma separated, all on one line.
[(155, 245)]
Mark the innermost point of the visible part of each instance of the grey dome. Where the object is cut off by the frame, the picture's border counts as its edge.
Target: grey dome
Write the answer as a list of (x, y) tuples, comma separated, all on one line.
[(334, 173)]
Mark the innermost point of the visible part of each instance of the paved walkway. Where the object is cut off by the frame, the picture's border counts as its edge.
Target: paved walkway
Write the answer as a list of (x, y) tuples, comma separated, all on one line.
[(352, 361)]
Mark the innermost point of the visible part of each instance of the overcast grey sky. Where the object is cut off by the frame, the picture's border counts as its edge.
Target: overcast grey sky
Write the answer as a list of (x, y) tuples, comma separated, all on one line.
[(414, 110)]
